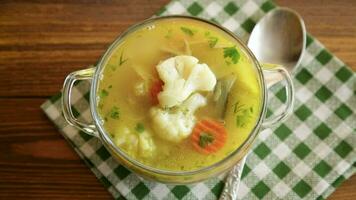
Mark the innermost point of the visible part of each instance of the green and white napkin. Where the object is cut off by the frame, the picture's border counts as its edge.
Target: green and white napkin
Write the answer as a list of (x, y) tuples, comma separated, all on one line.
[(308, 156)]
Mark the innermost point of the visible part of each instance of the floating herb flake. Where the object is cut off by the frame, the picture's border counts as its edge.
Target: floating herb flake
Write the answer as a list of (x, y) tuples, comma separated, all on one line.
[(140, 127), (237, 107), (243, 114), (114, 113), (231, 54), (205, 139), (169, 34), (212, 41), (110, 86), (103, 93), (122, 60), (112, 67), (187, 31)]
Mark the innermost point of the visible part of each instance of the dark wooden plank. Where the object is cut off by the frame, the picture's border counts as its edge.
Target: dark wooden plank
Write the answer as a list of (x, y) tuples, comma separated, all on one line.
[(40, 43), (35, 161), (346, 191)]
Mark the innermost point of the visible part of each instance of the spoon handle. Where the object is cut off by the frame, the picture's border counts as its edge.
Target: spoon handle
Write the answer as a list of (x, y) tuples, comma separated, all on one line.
[(233, 181)]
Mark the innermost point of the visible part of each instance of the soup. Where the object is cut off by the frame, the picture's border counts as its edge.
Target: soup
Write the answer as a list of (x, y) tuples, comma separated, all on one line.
[(178, 94)]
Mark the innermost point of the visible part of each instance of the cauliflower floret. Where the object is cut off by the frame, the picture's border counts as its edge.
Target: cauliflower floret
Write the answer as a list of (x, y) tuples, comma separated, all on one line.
[(146, 145), (177, 124), (182, 76), (135, 143)]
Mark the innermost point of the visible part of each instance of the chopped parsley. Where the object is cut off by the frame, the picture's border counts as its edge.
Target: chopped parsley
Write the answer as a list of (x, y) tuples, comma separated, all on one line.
[(243, 114), (169, 34), (205, 139), (112, 67), (140, 128), (187, 31), (122, 60), (103, 93), (110, 86), (212, 41), (231, 54), (114, 113)]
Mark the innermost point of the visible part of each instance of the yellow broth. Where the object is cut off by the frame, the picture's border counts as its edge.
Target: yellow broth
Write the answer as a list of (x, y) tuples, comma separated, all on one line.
[(134, 60)]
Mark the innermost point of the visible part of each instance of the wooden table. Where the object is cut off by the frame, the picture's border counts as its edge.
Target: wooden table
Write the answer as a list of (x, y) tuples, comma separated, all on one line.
[(41, 42)]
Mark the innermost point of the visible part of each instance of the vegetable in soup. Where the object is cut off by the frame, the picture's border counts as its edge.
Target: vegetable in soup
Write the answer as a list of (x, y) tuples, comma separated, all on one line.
[(178, 94)]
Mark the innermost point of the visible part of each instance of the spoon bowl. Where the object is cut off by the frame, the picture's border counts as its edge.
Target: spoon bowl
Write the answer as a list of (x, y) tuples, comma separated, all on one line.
[(279, 38)]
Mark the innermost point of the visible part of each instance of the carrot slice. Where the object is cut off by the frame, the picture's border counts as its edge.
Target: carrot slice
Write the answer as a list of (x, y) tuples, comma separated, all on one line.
[(156, 88), (208, 136)]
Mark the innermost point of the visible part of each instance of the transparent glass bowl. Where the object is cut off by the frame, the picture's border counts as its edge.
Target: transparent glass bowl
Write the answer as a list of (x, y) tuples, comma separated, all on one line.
[(266, 76)]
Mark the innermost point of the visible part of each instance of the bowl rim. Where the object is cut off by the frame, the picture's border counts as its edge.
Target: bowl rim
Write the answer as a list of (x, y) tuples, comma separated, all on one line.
[(242, 149)]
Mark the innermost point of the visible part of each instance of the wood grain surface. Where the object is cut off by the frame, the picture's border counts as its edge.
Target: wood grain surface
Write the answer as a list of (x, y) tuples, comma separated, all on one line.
[(42, 41)]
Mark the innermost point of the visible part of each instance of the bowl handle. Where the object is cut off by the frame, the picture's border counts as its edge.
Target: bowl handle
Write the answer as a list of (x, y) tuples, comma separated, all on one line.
[(66, 100), (274, 74)]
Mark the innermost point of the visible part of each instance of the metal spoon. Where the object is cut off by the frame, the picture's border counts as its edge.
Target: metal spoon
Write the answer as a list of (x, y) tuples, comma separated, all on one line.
[(278, 38)]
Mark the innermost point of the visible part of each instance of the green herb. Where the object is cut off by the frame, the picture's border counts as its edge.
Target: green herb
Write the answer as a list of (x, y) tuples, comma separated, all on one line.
[(243, 118), (114, 113), (213, 41), (205, 139), (122, 60), (169, 34), (110, 86), (237, 107), (232, 54), (103, 93), (112, 67), (243, 114), (187, 31), (139, 128)]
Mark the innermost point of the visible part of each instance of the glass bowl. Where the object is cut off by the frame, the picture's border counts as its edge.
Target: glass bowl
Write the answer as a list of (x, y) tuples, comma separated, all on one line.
[(266, 76)]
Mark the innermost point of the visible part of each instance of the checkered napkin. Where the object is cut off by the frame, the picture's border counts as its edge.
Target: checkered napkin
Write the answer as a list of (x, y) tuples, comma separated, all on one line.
[(308, 156)]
